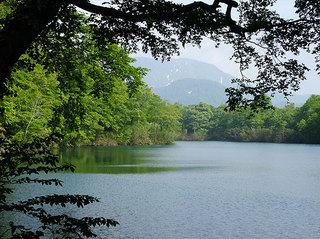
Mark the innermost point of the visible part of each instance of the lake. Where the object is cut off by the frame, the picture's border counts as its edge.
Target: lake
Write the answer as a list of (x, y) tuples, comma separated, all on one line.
[(199, 189)]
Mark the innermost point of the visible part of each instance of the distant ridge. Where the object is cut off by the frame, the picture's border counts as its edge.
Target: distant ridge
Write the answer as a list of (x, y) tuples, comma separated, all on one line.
[(193, 91), (189, 81), (164, 73)]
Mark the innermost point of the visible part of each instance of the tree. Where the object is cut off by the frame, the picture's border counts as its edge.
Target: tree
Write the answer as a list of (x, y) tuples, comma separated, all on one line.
[(50, 92), (153, 120), (308, 120), (84, 85), (33, 99), (260, 37), (196, 119)]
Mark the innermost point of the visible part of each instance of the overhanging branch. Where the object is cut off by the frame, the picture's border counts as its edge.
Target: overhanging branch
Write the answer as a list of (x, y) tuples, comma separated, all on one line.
[(177, 10)]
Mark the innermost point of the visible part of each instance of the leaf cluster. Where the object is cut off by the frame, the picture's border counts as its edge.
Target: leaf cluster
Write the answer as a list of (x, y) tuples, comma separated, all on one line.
[(19, 163), (270, 45), (261, 38)]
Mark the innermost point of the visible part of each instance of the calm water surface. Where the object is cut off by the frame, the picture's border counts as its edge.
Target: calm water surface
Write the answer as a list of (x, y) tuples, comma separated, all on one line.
[(200, 189)]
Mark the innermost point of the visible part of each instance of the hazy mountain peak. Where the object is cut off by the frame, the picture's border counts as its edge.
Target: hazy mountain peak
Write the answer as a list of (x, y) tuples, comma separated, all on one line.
[(164, 73), (189, 82), (193, 91)]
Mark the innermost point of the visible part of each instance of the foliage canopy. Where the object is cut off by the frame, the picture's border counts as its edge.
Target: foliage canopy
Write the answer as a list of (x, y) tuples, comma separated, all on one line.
[(287, 125), (259, 35)]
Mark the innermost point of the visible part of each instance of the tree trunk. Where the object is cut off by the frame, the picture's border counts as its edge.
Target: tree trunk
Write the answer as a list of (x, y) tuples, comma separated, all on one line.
[(19, 33), (32, 116)]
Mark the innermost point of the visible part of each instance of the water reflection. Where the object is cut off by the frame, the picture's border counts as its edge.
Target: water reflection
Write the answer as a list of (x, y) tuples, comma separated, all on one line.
[(114, 160), (221, 189)]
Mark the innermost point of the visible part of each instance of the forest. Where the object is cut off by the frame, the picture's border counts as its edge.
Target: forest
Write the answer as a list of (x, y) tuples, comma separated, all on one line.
[(38, 106), (89, 96), (74, 81), (281, 125), (94, 96)]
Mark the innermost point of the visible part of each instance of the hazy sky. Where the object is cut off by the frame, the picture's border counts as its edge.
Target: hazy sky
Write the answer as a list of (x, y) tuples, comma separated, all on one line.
[(221, 57)]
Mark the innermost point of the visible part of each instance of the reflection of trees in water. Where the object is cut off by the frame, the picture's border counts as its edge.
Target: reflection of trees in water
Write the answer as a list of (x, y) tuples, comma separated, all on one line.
[(112, 160)]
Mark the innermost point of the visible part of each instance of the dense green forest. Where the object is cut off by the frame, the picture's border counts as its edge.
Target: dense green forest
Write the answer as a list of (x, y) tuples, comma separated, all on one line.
[(93, 95), (87, 90), (90, 95), (290, 124), (38, 106), (39, 103)]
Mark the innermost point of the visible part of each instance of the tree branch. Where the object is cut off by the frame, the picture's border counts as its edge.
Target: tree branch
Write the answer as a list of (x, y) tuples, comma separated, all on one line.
[(177, 10), (111, 12), (268, 27), (18, 34)]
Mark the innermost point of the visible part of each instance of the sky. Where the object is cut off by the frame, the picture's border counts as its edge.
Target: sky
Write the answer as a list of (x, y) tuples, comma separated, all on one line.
[(220, 57)]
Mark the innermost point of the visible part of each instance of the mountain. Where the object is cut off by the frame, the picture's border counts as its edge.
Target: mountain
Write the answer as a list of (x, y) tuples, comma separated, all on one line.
[(190, 82), (193, 91), (164, 73)]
